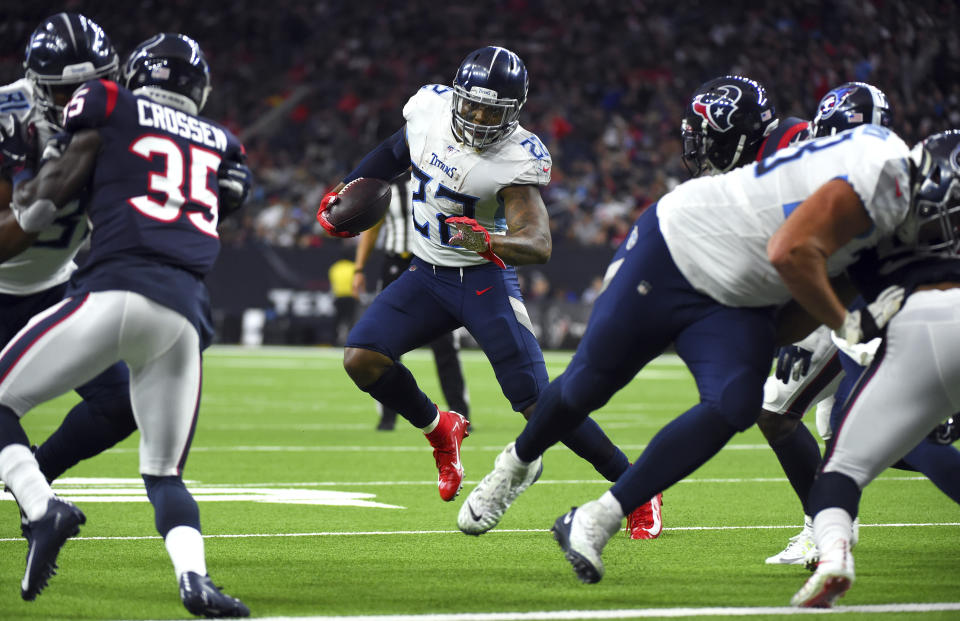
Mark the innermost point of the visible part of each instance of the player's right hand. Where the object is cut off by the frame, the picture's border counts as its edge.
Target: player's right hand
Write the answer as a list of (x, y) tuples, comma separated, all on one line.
[(792, 363), (329, 199), (17, 145), (860, 326)]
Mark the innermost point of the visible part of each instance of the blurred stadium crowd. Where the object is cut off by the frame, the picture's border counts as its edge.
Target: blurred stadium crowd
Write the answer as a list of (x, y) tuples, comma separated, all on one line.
[(312, 86)]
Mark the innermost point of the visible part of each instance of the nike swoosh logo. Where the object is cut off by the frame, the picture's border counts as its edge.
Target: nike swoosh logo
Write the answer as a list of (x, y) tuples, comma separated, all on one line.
[(568, 518), (473, 515), (482, 291)]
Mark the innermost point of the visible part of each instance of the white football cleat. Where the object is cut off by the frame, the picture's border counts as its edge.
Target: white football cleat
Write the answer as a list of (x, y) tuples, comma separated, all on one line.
[(582, 534), (833, 577), (798, 548), (489, 500)]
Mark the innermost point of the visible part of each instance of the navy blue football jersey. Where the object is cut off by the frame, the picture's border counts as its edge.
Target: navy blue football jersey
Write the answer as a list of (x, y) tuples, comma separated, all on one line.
[(153, 197), (790, 130)]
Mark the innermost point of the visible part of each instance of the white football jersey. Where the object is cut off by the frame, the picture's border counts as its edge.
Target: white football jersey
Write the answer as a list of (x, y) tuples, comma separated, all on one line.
[(451, 179), (717, 228), (49, 261)]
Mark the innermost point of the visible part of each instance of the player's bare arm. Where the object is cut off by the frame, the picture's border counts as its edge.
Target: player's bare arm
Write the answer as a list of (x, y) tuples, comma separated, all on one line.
[(368, 239), (13, 240), (528, 238), (60, 179), (821, 225)]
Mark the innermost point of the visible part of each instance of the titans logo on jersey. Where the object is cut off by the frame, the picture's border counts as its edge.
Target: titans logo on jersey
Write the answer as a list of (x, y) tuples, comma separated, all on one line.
[(451, 179)]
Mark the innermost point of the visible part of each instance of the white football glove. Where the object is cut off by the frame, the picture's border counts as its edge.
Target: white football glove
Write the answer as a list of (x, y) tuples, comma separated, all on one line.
[(864, 325)]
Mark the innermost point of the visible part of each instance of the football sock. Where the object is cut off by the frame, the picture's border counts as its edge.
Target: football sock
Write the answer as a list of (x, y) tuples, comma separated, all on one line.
[(831, 524), (833, 489), (799, 456), (397, 390), (678, 449), (82, 434), (940, 463), (20, 472), (172, 504), (550, 423), (611, 504), (433, 425), (185, 546)]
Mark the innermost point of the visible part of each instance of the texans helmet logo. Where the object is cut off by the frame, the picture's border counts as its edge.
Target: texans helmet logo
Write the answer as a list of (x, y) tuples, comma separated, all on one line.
[(717, 106)]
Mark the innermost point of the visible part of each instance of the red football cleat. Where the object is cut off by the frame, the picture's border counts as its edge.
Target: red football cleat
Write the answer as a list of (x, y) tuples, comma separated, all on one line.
[(446, 440), (646, 521)]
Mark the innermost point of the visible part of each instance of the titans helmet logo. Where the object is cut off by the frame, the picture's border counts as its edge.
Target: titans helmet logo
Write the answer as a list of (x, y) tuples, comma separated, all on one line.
[(832, 100), (717, 106)]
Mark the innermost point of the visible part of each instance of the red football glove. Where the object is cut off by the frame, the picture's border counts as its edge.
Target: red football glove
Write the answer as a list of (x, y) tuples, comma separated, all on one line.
[(328, 199), (472, 236)]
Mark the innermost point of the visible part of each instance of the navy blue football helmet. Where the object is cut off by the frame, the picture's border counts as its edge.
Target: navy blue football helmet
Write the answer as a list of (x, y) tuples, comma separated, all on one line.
[(935, 215), (725, 123), (488, 92), (66, 50), (850, 105), (172, 69)]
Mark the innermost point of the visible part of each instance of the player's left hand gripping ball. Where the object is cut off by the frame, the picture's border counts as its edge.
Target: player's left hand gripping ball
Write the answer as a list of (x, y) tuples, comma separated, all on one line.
[(354, 209), (472, 236)]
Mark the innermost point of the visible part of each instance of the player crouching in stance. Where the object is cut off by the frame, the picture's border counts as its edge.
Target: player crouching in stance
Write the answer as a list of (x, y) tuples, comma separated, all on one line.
[(139, 298), (477, 212), (914, 381)]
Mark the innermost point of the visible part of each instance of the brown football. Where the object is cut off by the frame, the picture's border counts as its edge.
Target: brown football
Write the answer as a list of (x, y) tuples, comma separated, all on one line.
[(361, 204)]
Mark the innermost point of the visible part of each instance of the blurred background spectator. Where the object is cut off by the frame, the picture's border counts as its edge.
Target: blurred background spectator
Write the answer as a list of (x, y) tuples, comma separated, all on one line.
[(312, 86)]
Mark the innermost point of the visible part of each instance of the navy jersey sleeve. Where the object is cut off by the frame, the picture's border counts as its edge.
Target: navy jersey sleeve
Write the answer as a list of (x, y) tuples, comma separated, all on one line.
[(91, 105)]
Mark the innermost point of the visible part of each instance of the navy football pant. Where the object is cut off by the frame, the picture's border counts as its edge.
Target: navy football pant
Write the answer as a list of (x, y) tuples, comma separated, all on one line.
[(647, 304), (102, 419), (427, 301)]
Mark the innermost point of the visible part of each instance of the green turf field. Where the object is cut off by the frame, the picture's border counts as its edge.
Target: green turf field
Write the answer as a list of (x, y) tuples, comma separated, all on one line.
[(308, 511)]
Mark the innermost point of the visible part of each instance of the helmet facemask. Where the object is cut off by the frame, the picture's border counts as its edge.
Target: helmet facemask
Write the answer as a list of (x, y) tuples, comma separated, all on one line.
[(481, 118), (934, 221)]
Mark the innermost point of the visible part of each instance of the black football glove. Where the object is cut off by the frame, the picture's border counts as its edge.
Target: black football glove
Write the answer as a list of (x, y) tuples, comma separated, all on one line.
[(946, 432), (792, 363), (18, 146), (235, 180)]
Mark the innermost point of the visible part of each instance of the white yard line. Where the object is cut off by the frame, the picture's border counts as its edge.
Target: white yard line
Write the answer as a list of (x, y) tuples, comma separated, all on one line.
[(641, 613)]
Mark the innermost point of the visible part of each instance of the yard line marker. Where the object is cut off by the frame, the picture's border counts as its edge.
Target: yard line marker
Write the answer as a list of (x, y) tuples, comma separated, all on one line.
[(378, 533), (642, 613)]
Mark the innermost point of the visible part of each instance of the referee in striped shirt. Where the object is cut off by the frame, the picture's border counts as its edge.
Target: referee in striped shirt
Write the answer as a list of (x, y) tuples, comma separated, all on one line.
[(392, 236)]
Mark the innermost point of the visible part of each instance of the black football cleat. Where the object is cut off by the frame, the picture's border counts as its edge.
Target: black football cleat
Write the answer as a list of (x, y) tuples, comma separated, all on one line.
[(202, 598), (45, 537)]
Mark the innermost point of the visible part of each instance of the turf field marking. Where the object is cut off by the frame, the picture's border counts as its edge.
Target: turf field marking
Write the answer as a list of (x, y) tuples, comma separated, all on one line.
[(641, 613), (498, 531)]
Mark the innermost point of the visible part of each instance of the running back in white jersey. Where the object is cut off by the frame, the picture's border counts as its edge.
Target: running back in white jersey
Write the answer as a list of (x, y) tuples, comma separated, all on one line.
[(717, 228), (49, 261), (450, 179)]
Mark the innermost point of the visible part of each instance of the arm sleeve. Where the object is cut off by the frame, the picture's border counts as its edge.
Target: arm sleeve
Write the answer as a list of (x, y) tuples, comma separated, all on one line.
[(388, 160)]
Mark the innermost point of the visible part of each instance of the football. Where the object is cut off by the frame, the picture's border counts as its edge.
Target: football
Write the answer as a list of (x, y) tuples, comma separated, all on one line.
[(361, 204)]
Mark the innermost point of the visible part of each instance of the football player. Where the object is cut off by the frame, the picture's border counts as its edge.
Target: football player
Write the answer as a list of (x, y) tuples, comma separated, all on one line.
[(913, 382), (63, 52), (153, 205), (717, 301), (393, 236), (730, 122), (814, 369), (477, 212)]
